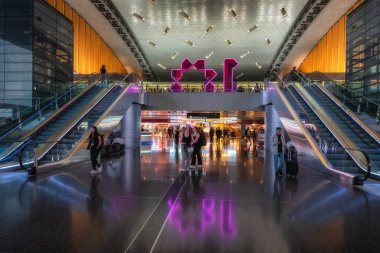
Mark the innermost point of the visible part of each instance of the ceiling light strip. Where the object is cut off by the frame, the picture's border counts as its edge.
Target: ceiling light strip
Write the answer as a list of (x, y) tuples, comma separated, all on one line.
[(138, 16)]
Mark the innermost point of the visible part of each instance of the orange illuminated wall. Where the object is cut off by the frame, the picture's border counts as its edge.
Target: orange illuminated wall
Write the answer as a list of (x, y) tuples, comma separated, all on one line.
[(90, 50), (329, 55)]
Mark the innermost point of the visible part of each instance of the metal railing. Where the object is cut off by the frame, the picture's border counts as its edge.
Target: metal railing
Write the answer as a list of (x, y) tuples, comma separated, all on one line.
[(189, 87), (351, 98)]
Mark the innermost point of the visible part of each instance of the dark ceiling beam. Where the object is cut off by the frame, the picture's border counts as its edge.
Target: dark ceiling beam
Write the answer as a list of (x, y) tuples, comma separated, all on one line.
[(307, 16), (113, 16)]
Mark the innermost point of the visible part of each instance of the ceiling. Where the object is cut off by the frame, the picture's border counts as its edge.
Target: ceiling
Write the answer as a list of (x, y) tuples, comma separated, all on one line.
[(203, 14)]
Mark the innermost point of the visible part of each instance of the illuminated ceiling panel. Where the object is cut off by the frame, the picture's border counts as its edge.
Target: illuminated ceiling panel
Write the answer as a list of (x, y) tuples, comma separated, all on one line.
[(267, 15)]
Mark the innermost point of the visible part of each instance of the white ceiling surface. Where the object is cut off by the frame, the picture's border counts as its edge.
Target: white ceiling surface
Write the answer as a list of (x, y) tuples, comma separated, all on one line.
[(320, 26), (91, 14), (265, 13)]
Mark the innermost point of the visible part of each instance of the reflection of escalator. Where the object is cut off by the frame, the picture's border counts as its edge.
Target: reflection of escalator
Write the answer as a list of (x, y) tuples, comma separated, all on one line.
[(338, 157), (61, 149), (350, 127)]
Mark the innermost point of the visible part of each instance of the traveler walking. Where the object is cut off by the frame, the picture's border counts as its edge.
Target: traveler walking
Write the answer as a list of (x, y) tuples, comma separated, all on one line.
[(103, 73), (218, 134), (196, 142), (94, 146), (185, 140), (278, 149), (211, 133)]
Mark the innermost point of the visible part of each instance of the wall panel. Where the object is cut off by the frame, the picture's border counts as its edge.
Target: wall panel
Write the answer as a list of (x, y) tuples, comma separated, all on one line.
[(329, 55), (90, 50)]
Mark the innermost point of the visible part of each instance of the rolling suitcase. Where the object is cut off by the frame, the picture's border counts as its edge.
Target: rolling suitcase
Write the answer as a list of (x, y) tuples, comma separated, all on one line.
[(291, 162)]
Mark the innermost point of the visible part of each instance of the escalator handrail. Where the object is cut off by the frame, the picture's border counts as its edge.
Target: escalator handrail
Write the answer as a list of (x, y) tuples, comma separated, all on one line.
[(46, 106), (352, 116), (46, 99), (346, 88), (79, 120), (308, 117), (57, 97), (368, 161)]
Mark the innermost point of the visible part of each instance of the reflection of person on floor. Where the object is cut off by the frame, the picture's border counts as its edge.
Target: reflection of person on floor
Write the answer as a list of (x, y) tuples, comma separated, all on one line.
[(95, 199), (278, 149)]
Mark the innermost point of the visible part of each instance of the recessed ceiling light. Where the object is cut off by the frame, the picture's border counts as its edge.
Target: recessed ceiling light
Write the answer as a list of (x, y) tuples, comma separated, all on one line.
[(152, 1), (167, 29), (253, 28), (258, 65), (244, 55), (190, 43), (240, 75), (283, 12), (161, 66), (174, 55), (229, 43), (152, 43), (138, 16), (234, 14), (268, 41), (209, 29), (184, 14), (209, 55)]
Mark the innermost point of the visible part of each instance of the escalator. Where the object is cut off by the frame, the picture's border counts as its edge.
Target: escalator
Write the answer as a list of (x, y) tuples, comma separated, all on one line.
[(55, 126), (64, 142), (67, 142), (363, 138), (337, 156)]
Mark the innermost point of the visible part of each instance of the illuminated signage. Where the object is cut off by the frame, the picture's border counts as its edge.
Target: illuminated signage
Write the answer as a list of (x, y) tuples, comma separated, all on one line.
[(228, 67)]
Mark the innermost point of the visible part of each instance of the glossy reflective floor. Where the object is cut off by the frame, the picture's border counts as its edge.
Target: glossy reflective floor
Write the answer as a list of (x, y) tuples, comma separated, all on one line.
[(142, 203)]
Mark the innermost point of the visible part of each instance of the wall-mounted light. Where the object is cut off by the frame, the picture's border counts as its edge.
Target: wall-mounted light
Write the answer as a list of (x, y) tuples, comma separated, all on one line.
[(184, 14), (258, 65), (228, 42), (268, 42), (233, 13), (209, 55), (138, 16), (190, 43), (240, 75), (209, 29), (161, 66), (283, 12), (167, 29), (174, 55), (253, 28), (152, 43), (244, 55)]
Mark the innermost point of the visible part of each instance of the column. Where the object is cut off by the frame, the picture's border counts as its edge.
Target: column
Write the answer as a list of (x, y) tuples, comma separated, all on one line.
[(272, 121), (130, 126)]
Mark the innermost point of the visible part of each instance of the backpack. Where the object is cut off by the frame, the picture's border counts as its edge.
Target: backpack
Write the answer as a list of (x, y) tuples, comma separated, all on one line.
[(203, 139)]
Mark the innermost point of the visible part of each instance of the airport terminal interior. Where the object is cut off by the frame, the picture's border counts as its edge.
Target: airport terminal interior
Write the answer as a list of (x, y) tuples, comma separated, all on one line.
[(190, 126)]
